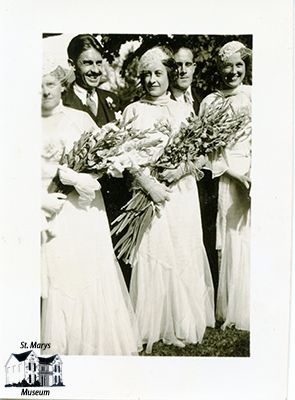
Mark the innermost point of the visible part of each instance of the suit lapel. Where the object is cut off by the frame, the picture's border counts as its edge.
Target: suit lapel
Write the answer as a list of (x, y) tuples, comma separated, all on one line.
[(70, 99), (104, 113), (197, 100)]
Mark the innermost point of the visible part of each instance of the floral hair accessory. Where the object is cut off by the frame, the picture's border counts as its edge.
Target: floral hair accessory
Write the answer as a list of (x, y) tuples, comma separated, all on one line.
[(151, 57), (51, 68), (231, 48)]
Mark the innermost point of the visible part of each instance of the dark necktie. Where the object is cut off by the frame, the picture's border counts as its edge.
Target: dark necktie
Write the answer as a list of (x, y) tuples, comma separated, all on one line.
[(91, 104)]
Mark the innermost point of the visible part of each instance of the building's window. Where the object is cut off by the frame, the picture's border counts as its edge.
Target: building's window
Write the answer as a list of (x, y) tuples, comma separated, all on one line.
[(30, 366), (56, 380), (30, 380)]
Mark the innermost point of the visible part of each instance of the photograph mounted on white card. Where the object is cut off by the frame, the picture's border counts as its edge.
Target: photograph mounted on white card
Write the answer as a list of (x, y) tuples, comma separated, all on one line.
[(146, 157)]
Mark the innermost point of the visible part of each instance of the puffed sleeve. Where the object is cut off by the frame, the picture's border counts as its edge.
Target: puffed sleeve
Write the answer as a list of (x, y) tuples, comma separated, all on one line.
[(129, 113), (88, 124)]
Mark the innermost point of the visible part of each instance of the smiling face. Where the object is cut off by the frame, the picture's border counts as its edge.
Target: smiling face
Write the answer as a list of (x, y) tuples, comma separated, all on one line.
[(186, 68), (155, 80), (88, 68), (233, 71), (51, 92)]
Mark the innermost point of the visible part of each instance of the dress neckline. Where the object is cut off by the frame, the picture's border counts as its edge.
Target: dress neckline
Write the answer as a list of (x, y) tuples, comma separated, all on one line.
[(156, 101), (231, 92), (58, 109)]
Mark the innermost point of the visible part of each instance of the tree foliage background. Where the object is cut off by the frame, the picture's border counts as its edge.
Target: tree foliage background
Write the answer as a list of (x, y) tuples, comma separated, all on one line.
[(120, 75), (205, 48)]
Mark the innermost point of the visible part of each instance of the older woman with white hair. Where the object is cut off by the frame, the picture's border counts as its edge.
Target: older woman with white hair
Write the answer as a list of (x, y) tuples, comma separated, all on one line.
[(171, 286), (233, 168), (86, 308)]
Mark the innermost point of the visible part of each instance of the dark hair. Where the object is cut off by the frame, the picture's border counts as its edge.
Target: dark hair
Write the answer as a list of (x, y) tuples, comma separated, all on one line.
[(81, 43), (175, 49), (247, 58)]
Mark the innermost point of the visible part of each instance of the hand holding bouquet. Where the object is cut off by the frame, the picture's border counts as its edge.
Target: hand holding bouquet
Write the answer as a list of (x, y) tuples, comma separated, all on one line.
[(184, 153), (115, 147)]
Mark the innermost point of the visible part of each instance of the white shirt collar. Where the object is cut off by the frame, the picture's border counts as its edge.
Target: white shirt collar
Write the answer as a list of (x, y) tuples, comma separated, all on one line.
[(180, 97), (82, 94)]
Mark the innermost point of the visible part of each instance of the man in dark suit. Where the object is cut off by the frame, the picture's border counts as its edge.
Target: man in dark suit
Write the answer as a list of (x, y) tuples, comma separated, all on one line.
[(183, 91), (85, 56)]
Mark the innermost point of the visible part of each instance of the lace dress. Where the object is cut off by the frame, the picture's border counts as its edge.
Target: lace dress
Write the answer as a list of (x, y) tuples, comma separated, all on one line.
[(233, 220), (86, 307), (171, 287)]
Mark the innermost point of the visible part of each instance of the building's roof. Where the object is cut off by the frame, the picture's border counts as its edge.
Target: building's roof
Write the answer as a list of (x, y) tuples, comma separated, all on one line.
[(47, 360), (42, 360), (22, 356)]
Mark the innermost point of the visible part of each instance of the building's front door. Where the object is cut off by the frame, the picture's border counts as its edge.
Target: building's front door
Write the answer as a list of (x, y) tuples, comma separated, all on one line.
[(46, 380)]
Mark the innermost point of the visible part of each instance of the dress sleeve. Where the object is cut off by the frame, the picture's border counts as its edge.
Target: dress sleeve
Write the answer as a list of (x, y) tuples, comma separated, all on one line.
[(205, 104), (217, 164), (88, 124), (129, 113)]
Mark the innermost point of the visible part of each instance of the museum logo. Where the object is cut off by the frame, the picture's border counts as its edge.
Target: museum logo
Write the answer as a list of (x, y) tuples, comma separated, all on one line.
[(29, 370)]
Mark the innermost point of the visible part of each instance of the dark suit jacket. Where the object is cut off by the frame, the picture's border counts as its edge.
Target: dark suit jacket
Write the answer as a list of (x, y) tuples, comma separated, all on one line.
[(197, 99), (105, 111)]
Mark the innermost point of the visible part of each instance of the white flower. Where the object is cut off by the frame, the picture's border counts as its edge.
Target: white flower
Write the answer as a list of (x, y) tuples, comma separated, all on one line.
[(118, 115), (118, 164), (110, 102)]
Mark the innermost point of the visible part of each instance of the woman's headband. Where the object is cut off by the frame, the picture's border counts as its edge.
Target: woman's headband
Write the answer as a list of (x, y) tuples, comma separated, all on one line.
[(60, 73), (151, 58), (231, 48)]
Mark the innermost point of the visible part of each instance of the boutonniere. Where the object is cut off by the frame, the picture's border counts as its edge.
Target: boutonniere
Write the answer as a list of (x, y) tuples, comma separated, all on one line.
[(110, 103)]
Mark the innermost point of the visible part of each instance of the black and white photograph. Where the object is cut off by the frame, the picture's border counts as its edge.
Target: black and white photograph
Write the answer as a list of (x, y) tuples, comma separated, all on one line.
[(146, 217), (147, 137)]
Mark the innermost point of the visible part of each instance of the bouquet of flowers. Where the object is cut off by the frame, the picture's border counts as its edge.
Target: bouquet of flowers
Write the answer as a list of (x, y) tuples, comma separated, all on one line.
[(199, 136), (115, 147)]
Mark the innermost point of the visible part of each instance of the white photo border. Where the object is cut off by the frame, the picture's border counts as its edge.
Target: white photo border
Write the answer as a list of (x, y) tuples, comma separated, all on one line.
[(264, 374)]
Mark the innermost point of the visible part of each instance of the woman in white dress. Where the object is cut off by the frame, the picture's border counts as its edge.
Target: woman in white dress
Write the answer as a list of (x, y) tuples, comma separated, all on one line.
[(86, 309), (171, 286), (233, 168)]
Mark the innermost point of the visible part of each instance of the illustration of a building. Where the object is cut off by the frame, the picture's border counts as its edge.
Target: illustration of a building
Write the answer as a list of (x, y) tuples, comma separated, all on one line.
[(28, 368)]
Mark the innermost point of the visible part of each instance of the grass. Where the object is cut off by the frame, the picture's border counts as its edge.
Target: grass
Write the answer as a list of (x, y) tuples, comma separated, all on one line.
[(216, 342)]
